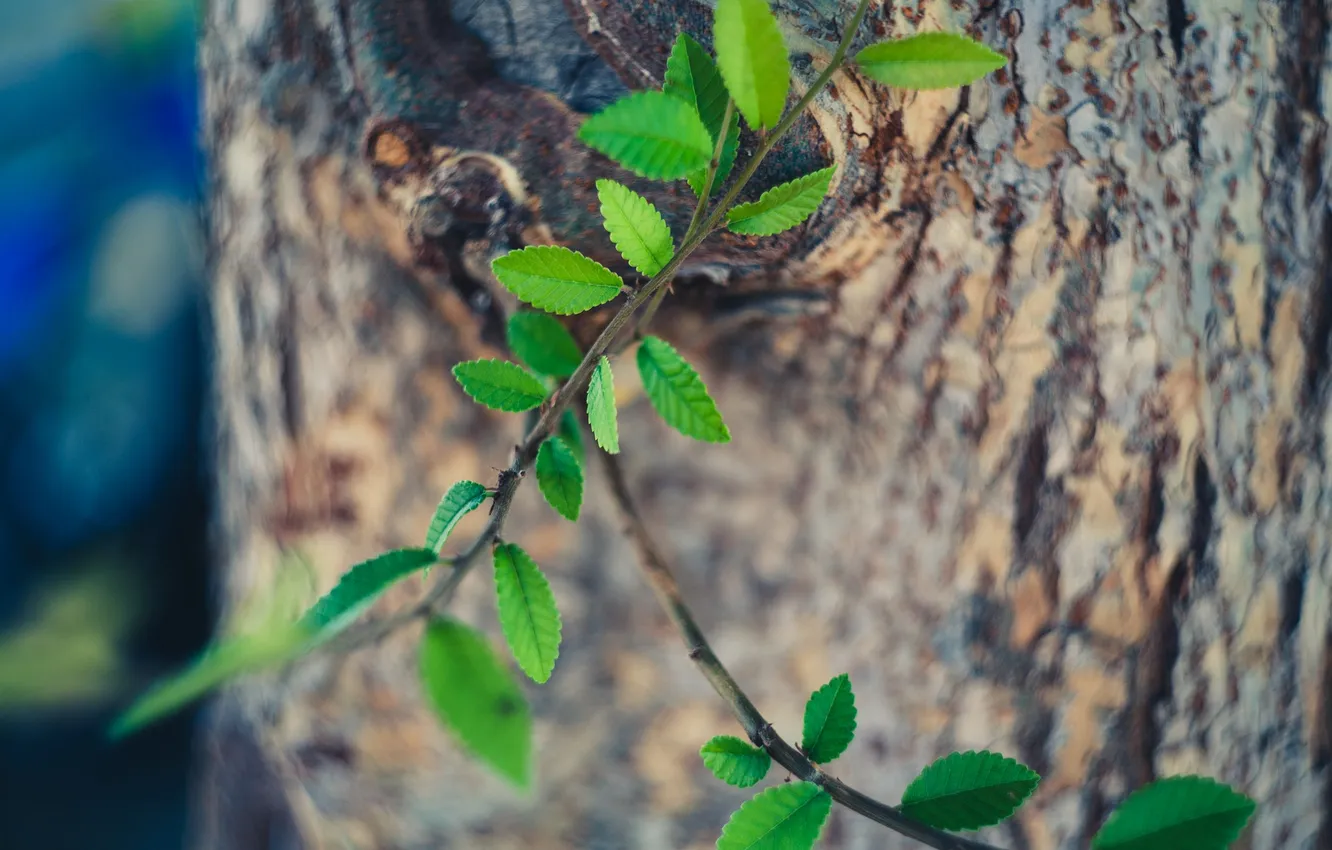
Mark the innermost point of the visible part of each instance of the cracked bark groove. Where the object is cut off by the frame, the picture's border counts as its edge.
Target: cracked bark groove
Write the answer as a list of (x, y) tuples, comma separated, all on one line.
[(1031, 421)]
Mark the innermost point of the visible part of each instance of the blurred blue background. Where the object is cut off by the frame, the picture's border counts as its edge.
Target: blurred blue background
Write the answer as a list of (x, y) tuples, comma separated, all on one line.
[(102, 489)]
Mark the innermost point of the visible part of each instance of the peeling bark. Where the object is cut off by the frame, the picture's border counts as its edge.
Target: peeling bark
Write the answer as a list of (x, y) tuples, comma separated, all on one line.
[(1031, 420)]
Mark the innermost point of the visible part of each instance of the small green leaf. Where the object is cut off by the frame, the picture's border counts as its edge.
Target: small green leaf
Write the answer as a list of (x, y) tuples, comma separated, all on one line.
[(931, 60), (678, 393), (784, 817), (781, 207), (966, 791), (545, 345), (635, 226), (527, 612), (724, 165), (650, 133), (692, 76), (462, 498), (477, 698), (556, 279), (220, 663), (560, 477), (500, 385), (1180, 812), (753, 59), (601, 407), (360, 586), (734, 761), (830, 720), (572, 435)]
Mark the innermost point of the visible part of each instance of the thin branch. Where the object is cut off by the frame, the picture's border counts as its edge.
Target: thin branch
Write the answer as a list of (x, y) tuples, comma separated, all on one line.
[(759, 730)]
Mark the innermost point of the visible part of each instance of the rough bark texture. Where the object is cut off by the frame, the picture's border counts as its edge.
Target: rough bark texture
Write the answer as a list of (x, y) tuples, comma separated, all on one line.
[(1031, 421)]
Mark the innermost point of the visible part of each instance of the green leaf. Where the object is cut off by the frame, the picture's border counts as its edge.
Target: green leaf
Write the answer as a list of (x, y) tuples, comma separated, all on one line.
[(556, 279), (1181, 812), (692, 76), (781, 207), (500, 385), (753, 59), (734, 761), (560, 477), (527, 612), (462, 498), (601, 407), (545, 345), (785, 817), (650, 133), (971, 790), (636, 227), (724, 165), (931, 60), (477, 698), (678, 393), (223, 661), (360, 586), (830, 721), (572, 435)]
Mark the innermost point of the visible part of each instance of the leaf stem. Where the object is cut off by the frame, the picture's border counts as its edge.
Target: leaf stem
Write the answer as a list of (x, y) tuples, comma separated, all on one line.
[(760, 731)]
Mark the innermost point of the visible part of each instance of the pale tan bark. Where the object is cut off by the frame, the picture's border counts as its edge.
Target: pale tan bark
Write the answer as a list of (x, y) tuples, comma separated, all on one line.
[(1031, 421)]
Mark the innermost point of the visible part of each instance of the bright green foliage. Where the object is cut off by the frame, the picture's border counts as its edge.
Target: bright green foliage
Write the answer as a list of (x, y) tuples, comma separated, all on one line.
[(635, 226), (556, 279), (462, 498), (830, 721), (734, 761), (601, 408), (931, 60), (560, 477), (692, 76), (729, 149), (1179, 813), (477, 698), (527, 612), (500, 385), (572, 435), (781, 207), (360, 586), (753, 59), (217, 665), (971, 790), (785, 817), (545, 345), (651, 134), (678, 393)]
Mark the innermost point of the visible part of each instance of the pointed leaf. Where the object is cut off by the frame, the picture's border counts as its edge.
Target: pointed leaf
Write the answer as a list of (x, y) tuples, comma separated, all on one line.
[(678, 393), (830, 720), (734, 761), (500, 385), (971, 790), (527, 612), (724, 165), (650, 133), (572, 435), (477, 698), (556, 279), (1179, 813), (219, 664), (560, 477), (545, 345), (601, 408), (931, 60), (360, 586), (753, 59), (462, 498), (635, 226), (785, 817), (781, 207), (692, 76)]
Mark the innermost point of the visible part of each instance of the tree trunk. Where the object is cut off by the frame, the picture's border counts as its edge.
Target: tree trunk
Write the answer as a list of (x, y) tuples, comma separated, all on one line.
[(1031, 420)]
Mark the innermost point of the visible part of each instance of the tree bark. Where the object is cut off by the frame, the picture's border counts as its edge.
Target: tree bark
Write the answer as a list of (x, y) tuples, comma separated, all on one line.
[(1031, 420)]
